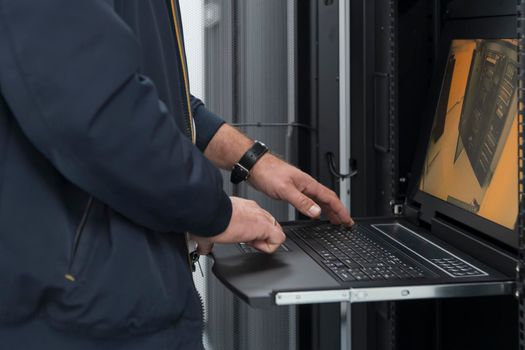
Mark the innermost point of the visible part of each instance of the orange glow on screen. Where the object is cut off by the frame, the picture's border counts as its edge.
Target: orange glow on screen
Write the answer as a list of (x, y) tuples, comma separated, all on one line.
[(471, 160)]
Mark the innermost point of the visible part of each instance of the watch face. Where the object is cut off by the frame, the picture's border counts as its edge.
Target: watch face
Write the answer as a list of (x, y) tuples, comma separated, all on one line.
[(239, 174)]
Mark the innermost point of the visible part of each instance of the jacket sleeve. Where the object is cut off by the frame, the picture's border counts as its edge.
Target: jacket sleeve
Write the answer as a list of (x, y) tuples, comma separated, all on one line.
[(206, 123), (68, 70)]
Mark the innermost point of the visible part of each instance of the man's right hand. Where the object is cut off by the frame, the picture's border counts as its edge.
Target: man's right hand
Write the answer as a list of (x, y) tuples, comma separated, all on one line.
[(249, 224)]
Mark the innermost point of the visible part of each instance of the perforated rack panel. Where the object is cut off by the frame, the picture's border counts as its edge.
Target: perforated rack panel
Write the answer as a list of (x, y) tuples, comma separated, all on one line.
[(392, 88), (521, 171), (246, 55), (392, 74)]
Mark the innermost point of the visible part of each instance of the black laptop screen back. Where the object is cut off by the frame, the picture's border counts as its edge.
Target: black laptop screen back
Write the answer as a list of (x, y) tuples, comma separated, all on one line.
[(471, 159)]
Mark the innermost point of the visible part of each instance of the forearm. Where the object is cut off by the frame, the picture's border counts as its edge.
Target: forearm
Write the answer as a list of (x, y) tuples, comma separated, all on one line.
[(276, 178), (227, 146)]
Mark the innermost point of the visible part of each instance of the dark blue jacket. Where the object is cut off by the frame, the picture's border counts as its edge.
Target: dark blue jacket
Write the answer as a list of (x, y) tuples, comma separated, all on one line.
[(81, 117)]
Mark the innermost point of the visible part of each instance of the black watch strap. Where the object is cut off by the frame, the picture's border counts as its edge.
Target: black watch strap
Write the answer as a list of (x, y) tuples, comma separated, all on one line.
[(241, 170)]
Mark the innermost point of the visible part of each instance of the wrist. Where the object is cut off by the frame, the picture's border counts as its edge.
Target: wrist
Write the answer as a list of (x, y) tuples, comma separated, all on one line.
[(227, 147), (242, 170), (239, 151), (263, 169)]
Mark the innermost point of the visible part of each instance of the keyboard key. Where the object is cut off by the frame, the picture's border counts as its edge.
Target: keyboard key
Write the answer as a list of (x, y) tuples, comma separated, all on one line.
[(350, 263), (404, 275), (345, 276), (456, 267)]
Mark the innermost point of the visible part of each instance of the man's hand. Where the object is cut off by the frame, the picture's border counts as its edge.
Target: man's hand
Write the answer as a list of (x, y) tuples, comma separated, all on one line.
[(276, 179), (249, 224), (282, 181)]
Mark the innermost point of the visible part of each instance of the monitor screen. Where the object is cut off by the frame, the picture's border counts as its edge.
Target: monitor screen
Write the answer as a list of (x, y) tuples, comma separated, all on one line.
[(471, 159)]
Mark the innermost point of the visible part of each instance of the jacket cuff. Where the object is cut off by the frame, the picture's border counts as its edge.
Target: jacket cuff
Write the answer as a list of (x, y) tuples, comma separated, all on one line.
[(206, 124), (220, 220)]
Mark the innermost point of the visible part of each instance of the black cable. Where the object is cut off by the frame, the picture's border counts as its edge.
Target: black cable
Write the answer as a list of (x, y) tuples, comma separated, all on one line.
[(333, 169)]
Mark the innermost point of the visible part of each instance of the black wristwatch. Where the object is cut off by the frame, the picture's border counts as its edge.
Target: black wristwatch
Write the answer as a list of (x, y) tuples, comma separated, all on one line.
[(241, 170)]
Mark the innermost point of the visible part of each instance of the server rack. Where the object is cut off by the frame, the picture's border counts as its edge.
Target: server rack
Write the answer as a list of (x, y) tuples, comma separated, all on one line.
[(372, 189), (381, 181), (407, 29), (446, 322)]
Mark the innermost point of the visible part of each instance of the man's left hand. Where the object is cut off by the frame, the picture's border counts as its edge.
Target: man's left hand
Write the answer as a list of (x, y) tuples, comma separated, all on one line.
[(282, 181)]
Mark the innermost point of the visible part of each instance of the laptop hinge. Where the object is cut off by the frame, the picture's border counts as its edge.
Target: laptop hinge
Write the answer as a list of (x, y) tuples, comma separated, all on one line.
[(411, 214)]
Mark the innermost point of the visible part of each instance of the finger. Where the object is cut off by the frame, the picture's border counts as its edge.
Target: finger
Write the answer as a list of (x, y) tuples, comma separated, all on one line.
[(204, 245), (330, 202), (263, 246), (277, 235), (303, 203), (273, 238), (273, 221), (337, 220), (333, 218), (268, 219), (204, 248), (252, 204)]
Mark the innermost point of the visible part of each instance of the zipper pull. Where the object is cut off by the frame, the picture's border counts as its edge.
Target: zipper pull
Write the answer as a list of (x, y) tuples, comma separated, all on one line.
[(194, 258), (200, 268)]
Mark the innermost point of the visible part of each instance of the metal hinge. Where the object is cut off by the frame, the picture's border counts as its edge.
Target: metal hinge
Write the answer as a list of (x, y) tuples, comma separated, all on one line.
[(520, 271)]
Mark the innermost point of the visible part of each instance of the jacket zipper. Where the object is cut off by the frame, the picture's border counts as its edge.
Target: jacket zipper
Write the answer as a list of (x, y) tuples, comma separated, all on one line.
[(191, 131), (76, 242), (189, 125)]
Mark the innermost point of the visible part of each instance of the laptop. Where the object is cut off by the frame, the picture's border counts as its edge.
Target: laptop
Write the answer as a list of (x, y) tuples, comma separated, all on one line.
[(459, 231)]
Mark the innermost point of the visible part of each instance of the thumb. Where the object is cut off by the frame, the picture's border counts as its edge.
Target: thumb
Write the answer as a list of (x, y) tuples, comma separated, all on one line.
[(304, 204), (204, 246), (264, 246)]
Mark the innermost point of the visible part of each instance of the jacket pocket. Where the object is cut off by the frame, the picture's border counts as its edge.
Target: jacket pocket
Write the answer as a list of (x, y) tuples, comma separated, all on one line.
[(129, 280), (71, 268)]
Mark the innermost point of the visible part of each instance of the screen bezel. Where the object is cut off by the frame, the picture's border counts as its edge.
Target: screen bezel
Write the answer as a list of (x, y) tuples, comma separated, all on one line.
[(430, 206)]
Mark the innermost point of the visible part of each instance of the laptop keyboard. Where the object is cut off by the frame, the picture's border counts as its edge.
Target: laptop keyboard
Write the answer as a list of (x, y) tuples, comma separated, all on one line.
[(353, 255), (456, 267), (434, 254)]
